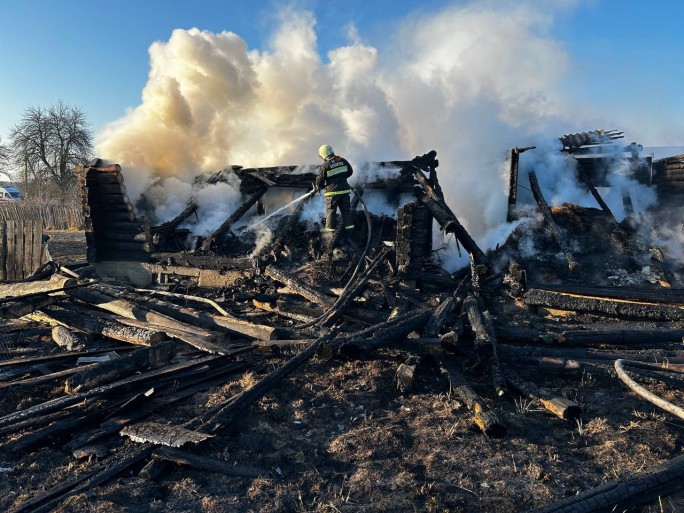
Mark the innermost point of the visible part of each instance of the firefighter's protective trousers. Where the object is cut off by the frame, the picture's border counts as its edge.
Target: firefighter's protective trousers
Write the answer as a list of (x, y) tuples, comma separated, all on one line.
[(332, 203)]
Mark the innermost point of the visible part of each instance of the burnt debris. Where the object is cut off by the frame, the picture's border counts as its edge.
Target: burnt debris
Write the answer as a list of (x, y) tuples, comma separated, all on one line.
[(156, 316)]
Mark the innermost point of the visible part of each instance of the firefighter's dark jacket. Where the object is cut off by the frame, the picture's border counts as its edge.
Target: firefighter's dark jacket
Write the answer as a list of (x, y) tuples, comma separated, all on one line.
[(333, 173)]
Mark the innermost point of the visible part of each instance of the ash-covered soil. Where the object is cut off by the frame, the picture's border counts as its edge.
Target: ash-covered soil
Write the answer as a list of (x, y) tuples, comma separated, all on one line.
[(339, 436)]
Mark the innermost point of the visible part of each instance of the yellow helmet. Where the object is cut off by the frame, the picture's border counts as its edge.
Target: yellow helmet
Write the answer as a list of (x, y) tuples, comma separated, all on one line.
[(325, 151)]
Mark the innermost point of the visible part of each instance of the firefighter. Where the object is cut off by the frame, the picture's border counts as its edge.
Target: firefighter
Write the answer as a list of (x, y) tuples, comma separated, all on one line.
[(333, 174)]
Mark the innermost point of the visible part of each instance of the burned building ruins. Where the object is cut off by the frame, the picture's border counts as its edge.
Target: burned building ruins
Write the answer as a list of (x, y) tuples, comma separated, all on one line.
[(186, 337)]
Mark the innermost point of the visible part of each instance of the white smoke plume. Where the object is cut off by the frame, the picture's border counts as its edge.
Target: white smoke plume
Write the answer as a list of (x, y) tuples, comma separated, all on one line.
[(470, 81)]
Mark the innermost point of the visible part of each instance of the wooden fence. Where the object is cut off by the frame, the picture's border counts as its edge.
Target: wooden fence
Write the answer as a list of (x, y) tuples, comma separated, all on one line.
[(54, 217), (21, 248)]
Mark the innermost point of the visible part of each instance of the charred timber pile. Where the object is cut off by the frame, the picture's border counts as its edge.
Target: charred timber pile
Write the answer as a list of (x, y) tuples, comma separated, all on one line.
[(111, 227), (494, 334)]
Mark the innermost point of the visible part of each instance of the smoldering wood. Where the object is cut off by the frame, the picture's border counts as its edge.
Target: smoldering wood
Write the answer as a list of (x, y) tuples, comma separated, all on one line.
[(486, 420), (619, 308), (189, 459), (174, 223), (232, 219), (573, 265)]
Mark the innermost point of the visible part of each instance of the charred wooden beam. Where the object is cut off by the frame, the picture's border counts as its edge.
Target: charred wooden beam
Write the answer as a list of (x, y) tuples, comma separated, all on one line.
[(17, 309), (450, 224), (190, 459), (174, 223), (438, 317), (626, 493), (225, 227), (620, 308), (196, 337), (47, 500), (573, 265), (389, 332), (106, 372), (201, 319), (93, 323), (483, 418), (513, 181), (618, 337), (298, 286), (561, 407), (485, 341), (17, 290)]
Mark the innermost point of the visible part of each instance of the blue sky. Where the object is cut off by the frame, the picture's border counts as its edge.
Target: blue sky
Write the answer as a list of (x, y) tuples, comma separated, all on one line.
[(625, 55)]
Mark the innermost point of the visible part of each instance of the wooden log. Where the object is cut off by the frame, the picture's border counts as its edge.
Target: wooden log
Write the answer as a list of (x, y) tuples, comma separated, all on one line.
[(16, 290), (17, 309), (189, 459), (298, 286), (483, 418), (625, 494), (234, 217), (203, 320), (405, 373), (392, 331), (54, 284), (110, 388), (648, 294), (95, 323), (107, 372), (573, 265), (620, 308), (438, 317), (67, 339), (196, 337), (562, 407), (485, 341), (619, 337)]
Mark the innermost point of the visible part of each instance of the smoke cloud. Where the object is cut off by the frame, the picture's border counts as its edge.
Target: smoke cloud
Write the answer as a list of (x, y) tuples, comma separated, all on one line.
[(469, 81)]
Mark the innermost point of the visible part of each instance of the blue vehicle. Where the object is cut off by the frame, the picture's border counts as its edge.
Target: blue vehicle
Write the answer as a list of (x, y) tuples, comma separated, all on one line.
[(10, 194)]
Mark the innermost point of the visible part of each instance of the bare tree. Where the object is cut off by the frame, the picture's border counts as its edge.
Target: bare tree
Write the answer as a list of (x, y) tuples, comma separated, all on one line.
[(4, 156), (48, 143)]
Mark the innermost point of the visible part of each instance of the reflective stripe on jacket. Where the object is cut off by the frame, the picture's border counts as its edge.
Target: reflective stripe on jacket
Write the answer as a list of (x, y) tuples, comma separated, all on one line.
[(333, 173)]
